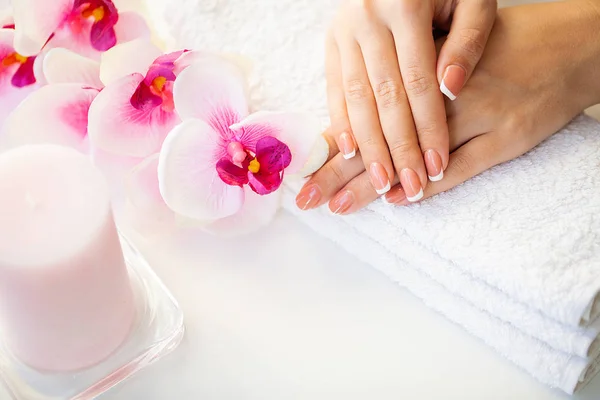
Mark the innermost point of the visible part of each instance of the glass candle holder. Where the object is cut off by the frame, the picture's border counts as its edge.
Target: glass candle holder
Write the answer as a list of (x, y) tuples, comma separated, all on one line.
[(156, 331)]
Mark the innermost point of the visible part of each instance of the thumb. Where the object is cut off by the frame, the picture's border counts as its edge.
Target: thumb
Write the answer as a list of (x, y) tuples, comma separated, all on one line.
[(471, 26)]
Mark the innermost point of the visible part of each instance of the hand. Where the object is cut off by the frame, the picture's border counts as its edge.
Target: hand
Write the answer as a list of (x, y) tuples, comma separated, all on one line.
[(531, 81), (383, 90)]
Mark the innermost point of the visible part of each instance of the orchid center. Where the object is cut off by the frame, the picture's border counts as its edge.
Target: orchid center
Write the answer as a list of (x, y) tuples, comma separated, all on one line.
[(97, 13), (262, 171), (254, 166), (23, 67)]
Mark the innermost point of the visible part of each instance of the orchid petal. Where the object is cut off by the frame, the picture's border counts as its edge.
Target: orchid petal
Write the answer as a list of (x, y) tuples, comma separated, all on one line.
[(126, 59), (317, 158), (55, 114), (213, 91), (297, 130), (117, 127), (131, 26), (231, 174), (147, 211), (35, 21), (6, 18), (188, 176), (265, 183), (38, 68), (65, 66), (256, 213), (272, 154), (10, 98)]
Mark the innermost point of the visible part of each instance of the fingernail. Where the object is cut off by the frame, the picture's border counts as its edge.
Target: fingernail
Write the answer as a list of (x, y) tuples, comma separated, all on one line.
[(308, 197), (453, 81), (379, 178), (411, 185), (433, 162), (347, 146), (395, 196), (341, 203)]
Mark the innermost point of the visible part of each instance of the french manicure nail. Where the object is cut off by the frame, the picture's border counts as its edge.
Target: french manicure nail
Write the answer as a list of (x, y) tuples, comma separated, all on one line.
[(341, 203), (379, 178), (309, 197), (347, 146), (395, 196), (411, 185), (453, 81), (433, 162)]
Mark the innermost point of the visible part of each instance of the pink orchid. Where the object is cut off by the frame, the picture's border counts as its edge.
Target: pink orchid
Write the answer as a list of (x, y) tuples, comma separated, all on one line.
[(17, 75), (221, 165), (58, 112), (87, 27), (135, 111)]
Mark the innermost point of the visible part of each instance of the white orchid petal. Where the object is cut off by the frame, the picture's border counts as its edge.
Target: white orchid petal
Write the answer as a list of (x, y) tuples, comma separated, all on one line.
[(189, 182), (64, 66), (126, 59)]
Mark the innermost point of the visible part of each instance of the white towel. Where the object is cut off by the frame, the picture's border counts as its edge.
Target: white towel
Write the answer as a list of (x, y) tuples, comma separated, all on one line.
[(552, 352), (513, 255)]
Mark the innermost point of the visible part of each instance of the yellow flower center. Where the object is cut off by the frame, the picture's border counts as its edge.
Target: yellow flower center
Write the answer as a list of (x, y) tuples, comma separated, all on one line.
[(254, 166), (159, 83), (97, 13), (14, 58)]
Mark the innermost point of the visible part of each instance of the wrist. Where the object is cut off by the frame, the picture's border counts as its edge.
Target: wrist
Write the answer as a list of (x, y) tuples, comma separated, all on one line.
[(585, 52)]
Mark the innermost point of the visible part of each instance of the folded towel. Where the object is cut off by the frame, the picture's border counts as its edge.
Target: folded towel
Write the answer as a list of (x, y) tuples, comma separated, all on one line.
[(552, 352), (512, 255)]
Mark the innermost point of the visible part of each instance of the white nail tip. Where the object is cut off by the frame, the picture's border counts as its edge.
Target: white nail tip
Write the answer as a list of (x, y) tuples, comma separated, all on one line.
[(385, 189), (417, 197), (444, 89), (437, 178), (350, 155)]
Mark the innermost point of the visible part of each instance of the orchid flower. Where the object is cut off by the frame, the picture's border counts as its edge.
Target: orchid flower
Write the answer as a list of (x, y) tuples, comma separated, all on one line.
[(135, 111), (58, 112), (220, 168), (17, 76), (87, 27)]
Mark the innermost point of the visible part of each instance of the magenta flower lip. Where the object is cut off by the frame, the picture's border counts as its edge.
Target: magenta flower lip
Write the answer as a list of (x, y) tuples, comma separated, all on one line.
[(106, 16), (263, 172)]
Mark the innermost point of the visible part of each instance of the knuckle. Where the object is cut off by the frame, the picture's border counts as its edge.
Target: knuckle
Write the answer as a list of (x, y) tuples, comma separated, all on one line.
[(400, 150), (464, 163), (471, 42), (389, 93), (417, 84), (430, 130), (357, 91), (334, 172), (410, 7)]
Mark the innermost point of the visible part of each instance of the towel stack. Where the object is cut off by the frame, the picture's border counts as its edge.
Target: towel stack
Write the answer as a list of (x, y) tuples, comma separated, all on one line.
[(512, 255)]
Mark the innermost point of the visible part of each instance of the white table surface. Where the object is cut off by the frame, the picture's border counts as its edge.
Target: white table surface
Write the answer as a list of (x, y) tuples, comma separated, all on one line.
[(285, 314)]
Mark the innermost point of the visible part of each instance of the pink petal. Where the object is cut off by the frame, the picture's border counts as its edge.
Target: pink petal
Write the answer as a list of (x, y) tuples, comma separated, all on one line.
[(10, 98), (231, 174), (147, 211), (117, 127), (188, 177), (257, 212), (272, 154), (6, 18), (265, 183), (64, 66), (56, 114), (126, 59), (36, 20), (131, 26), (77, 42), (213, 91), (298, 131)]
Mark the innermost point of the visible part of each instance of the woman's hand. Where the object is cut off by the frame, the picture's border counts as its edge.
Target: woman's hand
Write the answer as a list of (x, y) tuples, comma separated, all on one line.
[(532, 80), (385, 86)]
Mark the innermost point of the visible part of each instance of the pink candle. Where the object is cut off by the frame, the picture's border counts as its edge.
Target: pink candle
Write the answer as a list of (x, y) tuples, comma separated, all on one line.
[(66, 301)]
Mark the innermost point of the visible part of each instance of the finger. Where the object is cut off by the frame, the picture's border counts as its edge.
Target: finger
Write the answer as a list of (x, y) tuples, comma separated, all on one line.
[(417, 58), (336, 100), (364, 118), (357, 194), (471, 26), (394, 110), (328, 180), (476, 156)]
